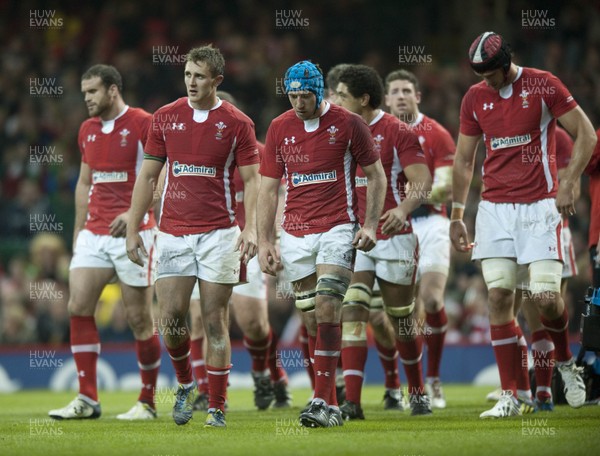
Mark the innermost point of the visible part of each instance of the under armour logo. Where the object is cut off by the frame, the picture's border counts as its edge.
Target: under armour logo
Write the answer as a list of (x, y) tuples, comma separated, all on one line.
[(178, 126), (551, 249), (290, 140), (91, 138), (488, 106), (326, 374), (81, 373)]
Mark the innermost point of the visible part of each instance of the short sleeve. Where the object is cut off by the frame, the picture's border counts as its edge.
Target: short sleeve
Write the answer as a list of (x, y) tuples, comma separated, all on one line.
[(270, 164), (468, 123)]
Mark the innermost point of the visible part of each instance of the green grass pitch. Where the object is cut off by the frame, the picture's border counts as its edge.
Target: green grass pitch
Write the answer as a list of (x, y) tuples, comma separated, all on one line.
[(25, 429)]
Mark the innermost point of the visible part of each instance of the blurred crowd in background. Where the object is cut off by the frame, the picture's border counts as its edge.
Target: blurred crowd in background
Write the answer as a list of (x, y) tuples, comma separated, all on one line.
[(41, 109)]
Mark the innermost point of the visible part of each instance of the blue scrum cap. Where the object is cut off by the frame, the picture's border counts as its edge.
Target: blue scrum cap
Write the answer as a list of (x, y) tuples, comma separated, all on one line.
[(305, 75)]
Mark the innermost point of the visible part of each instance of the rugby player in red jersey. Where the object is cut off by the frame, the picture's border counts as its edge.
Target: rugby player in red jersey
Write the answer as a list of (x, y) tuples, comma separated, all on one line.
[(250, 310), (394, 260), (317, 146), (430, 221), (111, 142), (201, 139), (515, 109)]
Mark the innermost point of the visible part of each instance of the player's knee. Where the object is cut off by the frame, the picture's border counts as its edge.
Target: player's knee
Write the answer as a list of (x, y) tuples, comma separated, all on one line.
[(77, 308), (500, 273), (400, 312), (306, 300), (358, 294), (354, 331), (255, 328), (377, 319), (545, 276), (139, 323), (216, 330), (332, 285), (432, 303)]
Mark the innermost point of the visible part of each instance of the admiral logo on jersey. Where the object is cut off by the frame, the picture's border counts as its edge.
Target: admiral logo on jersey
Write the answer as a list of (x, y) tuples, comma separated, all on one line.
[(181, 169), (104, 177), (299, 179), (509, 141), (360, 181)]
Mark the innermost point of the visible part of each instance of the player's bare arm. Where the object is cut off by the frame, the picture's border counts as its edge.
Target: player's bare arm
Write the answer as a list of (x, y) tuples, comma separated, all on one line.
[(417, 193), (366, 237), (247, 242), (576, 188), (268, 195), (462, 175), (158, 191), (579, 126), (141, 199), (82, 192)]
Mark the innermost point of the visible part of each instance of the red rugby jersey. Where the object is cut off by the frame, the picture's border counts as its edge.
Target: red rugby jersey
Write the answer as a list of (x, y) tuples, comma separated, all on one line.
[(439, 149), (114, 151), (518, 126), (398, 147), (318, 158), (202, 149)]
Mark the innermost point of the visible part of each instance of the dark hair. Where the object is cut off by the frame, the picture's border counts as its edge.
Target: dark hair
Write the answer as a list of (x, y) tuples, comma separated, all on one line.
[(362, 79), (107, 73), (333, 75), (209, 55), (402, 75), (490, 52)]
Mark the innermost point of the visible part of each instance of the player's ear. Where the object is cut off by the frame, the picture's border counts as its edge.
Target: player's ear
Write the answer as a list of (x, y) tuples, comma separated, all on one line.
[(364, 99), (418, 97), (113, 90), (218, 80)]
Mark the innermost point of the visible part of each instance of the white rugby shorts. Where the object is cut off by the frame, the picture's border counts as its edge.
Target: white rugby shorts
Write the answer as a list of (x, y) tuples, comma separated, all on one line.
[(255, 288), (105, 251), (528, 232), (301, 254), (394, 260), (209, 256), (434, 244)]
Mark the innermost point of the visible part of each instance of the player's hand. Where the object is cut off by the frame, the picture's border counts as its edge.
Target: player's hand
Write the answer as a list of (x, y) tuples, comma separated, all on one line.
[(135, 245), (247, 244), (393, 221), (118, 227), (269, 258), (365, 239), (459, 236), (565, 199)]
